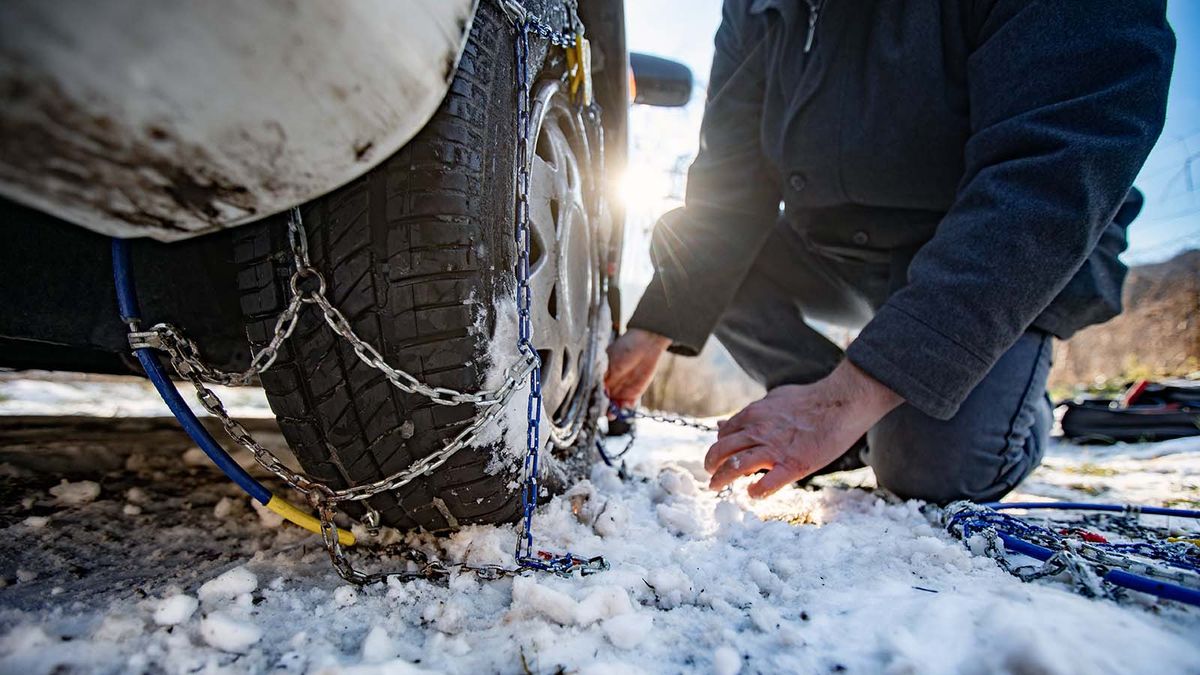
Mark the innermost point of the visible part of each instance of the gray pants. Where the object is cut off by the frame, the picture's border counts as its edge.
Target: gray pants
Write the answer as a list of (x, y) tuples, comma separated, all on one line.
[(998, 435)]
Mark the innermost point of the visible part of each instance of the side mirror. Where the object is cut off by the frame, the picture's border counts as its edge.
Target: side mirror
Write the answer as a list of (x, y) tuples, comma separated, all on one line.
[(658, 81)]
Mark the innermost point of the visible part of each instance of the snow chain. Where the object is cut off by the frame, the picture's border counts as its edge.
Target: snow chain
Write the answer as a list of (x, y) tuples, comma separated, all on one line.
[(1084, 562), (628, 414), (308, 287)]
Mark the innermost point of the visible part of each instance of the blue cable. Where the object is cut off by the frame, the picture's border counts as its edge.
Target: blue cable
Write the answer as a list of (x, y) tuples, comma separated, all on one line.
[(127, 302), (1121, 578), (1084, 506)]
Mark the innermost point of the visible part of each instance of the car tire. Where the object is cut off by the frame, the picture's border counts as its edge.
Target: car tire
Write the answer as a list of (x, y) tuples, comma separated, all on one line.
[(419, 255)]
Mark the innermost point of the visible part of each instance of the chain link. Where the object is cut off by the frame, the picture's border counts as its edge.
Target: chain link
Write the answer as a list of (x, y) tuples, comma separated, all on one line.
[(308, 287)]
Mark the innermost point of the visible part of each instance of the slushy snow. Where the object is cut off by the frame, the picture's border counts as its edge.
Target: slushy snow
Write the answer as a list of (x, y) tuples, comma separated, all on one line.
[(829, 580)]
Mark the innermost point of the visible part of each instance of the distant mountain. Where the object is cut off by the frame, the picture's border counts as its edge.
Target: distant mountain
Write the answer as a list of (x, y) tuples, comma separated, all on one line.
[(1158, 333)]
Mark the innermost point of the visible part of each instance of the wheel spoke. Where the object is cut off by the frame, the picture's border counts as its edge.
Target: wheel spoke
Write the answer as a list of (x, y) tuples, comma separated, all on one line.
[(543, 189)]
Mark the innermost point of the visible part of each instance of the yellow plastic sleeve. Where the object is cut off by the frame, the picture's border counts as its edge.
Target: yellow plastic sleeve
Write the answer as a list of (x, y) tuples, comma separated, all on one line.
[(289, 511)]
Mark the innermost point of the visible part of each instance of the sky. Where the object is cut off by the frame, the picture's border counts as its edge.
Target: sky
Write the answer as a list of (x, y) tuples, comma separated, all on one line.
[(664, 140)]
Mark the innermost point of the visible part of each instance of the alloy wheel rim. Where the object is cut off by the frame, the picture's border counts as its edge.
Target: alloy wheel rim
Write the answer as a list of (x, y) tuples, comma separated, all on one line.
[(564, 263)]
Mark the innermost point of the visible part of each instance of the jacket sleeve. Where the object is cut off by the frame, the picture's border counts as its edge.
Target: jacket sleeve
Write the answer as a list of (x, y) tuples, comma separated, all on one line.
[(702, 251), (1067, 97)]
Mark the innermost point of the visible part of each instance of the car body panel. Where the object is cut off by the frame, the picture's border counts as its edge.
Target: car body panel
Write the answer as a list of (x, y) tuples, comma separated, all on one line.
[(164, 119)]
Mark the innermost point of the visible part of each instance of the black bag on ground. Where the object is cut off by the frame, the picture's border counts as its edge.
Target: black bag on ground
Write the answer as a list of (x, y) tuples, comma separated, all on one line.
[(1155, 411)]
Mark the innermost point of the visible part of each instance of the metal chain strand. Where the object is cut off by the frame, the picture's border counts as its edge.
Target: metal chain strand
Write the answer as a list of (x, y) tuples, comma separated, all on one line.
[(525, 554), (677, 420), (1083, 562), (529, 487), (520, 17), (187, 361)]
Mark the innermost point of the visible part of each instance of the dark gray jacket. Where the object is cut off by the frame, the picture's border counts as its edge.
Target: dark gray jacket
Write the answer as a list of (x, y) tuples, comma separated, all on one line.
[(994, 140)]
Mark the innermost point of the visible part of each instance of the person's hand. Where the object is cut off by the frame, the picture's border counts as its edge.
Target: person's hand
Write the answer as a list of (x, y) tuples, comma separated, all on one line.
[(797, 429), (631, 362)]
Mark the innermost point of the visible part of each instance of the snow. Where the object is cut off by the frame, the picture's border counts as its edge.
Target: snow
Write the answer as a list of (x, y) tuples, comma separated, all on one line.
[(822, 580), (345, 596), (32, 393), (175, 609), (726, 661), (75, 494), (627, 631), (530, 598), (229, 634), (378, 646), (231, 584)]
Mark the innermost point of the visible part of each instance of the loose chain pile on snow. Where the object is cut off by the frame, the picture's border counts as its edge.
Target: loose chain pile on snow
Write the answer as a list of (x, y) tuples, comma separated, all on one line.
[(1083, 559)]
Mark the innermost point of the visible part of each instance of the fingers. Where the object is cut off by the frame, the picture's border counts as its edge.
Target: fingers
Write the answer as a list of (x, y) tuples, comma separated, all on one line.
[(779, 477), (724, 448), (621, 392), (741, 464), (616, 381), (737, 422), (627, 375)]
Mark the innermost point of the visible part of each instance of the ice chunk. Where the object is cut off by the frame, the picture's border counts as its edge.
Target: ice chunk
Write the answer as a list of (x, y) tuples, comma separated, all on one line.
[(763, 577), (676, 482), (604, 602), (671, 587), (175, 610), (728, 513), (611, 520), (196, 457), (224, 507), (267, 517), (36, 522), (378, 646), (344, 596), (231, 584), (678, 518), (627, 631), (534, 598), (75, 494), (228, 634)]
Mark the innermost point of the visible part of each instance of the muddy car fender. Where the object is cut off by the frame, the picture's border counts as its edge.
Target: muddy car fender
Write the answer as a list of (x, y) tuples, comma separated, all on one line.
[(171, 119)]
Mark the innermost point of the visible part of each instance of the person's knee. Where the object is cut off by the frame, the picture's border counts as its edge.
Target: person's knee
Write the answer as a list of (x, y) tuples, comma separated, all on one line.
[(915, 456)]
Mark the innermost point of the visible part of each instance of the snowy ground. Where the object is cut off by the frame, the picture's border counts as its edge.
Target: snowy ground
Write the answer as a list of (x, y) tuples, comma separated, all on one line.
[(159, 565)]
